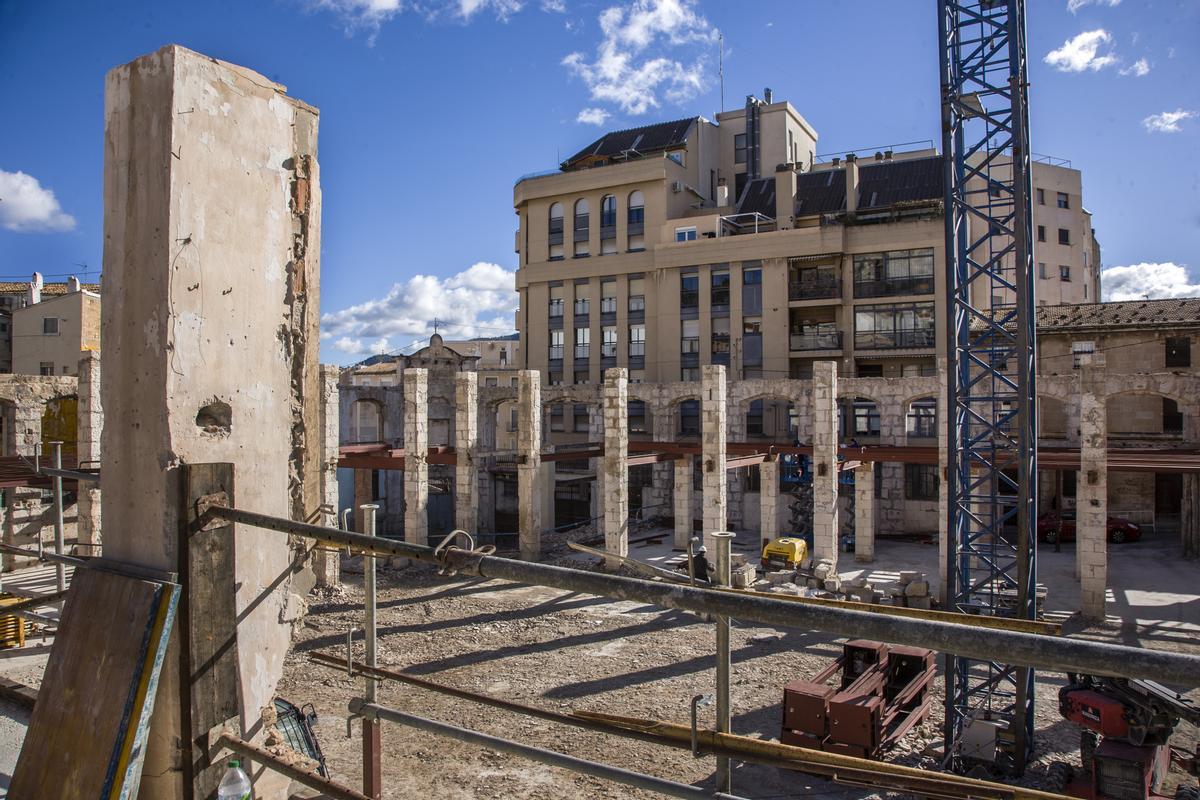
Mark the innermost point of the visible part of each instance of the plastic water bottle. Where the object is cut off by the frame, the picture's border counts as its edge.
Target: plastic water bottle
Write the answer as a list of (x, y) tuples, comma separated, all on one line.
[(234, 785)]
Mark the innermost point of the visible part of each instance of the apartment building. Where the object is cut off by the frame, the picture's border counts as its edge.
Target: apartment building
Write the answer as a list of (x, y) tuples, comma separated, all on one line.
[(18, 294), (50, 329), (690, 242)]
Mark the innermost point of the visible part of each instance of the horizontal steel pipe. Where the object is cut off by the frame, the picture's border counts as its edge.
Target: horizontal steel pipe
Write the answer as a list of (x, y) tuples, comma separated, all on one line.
[(1056, 654), (71, 474), (312, 780), (553, 758)]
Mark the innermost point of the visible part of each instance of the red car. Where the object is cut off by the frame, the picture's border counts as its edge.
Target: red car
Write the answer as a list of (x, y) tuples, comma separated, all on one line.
[(1052, 524)]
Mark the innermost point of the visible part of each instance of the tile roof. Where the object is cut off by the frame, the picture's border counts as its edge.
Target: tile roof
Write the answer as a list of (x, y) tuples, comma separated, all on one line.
[(1174, 312), (49, 289), (645, 139)]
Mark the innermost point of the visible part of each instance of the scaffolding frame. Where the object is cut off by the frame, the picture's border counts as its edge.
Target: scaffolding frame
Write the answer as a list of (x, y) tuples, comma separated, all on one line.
[(992, 445)]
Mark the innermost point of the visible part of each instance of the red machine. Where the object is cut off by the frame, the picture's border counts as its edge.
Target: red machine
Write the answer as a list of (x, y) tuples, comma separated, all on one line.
[(1127, 726), (880, 695)]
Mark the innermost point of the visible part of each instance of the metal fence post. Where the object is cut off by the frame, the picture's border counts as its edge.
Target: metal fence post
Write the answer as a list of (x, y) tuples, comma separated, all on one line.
[(372, 768)]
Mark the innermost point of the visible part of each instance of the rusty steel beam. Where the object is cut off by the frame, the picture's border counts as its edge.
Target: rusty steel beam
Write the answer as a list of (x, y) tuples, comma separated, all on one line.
[(746, 461)]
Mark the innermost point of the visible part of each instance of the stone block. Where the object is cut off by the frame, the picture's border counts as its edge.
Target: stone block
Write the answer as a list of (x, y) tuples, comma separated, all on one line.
[(925, 602), (907, 577), (916, 589)]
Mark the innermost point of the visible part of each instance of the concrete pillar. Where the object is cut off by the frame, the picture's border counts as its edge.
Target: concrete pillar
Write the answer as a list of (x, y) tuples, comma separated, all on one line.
[(212, 250), (662, 472), (768, 498), (684, 467), (1091, 492), (327, 562), (416, 455), (89, 424), (864, 512), (825, 462), (713, 432), (943, 524), (1189, 517), (615, 402), (529, 460), (466, 444)]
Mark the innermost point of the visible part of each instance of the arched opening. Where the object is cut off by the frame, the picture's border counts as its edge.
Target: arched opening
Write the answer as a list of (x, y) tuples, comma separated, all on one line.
[(687, 418), (1144, 416), (921, 420), (1052, 418), (641, 422), (636, 217), (858, 419), (580, 229), (555, 234), (771, 418), (59, 423), (366, 422)]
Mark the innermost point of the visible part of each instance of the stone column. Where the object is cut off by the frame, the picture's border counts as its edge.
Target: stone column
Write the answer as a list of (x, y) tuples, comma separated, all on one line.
[(529, 460), (825, 462), (466, 443), (90, 423), (615, 403), (713, 432), (416, 455), (212, 252), (662, 473), (864, 512), (1091, 492), (944, 476), (768, 497), (684, 466), (327, 562)]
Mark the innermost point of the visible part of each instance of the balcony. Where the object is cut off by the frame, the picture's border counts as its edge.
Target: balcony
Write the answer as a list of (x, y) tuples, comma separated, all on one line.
[(893, 340), (819, 288), (582, 351), (637, 349), (816, 341), (891, 287), (556, 352)]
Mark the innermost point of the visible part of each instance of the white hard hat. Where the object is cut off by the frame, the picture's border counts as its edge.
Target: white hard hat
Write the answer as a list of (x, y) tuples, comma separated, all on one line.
[(702, 549)]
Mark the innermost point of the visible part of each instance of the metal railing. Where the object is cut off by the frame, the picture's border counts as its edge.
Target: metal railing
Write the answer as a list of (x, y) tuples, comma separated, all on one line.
[(815, 341), (820, 289), (893, 340), (889, 287)]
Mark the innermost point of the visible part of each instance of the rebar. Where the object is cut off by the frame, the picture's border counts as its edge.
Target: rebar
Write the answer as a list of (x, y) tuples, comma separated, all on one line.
[(269, 760), (1058, 654), (553, 758)]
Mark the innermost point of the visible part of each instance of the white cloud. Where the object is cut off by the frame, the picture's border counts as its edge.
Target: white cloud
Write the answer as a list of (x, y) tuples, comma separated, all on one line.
[(1147, 281), (632, 68), (1138, 68), (503, 9), (592, 116), (554, 6), (370, 15), (1075, 5), (1168, 121), (478, 301), (1083, 52), (26, 206)]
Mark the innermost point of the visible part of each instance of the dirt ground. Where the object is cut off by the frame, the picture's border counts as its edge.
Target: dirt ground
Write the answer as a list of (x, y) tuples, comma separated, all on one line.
[(570, 652)]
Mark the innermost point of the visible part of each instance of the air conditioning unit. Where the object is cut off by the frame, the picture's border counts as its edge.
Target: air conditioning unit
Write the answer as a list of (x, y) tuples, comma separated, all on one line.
[(677, 187)]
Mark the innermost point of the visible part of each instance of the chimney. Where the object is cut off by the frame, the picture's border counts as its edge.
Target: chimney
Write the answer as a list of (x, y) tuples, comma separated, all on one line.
[(35, 289), (851, 183), (768, 96), (785, 196), (722, 192), (73, 285)]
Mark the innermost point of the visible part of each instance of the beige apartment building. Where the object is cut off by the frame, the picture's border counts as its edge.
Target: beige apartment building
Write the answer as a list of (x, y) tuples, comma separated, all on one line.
[(50, 330), (669, 246), (17, 294)]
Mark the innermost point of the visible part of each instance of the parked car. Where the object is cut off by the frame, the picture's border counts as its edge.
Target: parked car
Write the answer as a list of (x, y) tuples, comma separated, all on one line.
[(1053, 524)]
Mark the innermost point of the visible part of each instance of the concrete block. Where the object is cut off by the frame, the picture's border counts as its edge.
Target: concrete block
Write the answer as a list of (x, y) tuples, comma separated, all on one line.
[(925, 602), (916, 589)]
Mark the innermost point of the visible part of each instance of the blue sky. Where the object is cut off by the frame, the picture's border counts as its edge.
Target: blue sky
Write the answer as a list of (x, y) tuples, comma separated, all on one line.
[(430, 109)]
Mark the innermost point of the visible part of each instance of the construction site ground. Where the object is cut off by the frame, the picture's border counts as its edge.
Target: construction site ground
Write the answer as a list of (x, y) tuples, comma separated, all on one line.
[(567, 652)]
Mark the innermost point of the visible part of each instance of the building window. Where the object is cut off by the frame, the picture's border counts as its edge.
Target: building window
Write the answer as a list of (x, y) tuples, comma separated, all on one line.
[(751, 343), (1064, 272), (754, 419), (865, 417), (720, 292), (556, 305), (1042, 270), (1041, 197), (556, 232), (689, 374), (922, 419), (491, 382), (636, 221), (1041, 233), (46, 368), (920, 482), (583, 339), (556, 379), (751, 291), (1179, 351), (689, 339), (894, 273), (689, 416), (689, 292), (637, 340), (581, 421), (608, 298), (504, 356), (739, 148), (50, 326), (720, 341), (556, 419), (581, 228), (608, 225), (556, 345), (886, 327), (608, 343), (1063, 200), (637, 416), (581, 306), (637, 296), (512, 419), (687, 234), (1064, 236), (581, 377)]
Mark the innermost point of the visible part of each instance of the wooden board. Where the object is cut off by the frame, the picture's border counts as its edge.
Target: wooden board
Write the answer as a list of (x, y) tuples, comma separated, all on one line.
[(87, 734)]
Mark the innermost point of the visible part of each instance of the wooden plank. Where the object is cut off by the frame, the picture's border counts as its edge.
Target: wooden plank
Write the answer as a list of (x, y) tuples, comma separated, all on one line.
[(209, 621), (86, 736)]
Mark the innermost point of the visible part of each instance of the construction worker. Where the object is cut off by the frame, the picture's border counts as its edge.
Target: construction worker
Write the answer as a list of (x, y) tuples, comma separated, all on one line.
[(700, 567)]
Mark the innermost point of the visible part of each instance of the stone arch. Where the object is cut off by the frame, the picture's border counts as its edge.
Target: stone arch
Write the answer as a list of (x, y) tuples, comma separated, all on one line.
[(684, 413), (859, 417), (60, 423), (367, 421), (770, 414), (921, 417), (1147, 413), (1055, 416)]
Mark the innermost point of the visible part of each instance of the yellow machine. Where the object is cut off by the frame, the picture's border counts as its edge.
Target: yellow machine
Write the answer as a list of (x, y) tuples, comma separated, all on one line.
[(784, 553)]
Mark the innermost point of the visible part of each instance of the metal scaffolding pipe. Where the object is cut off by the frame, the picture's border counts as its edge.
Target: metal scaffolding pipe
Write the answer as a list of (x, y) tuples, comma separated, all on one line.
[(1057, 654), (60, 571), (272, 762), (724, 577), (551, 757), (70, 474)]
